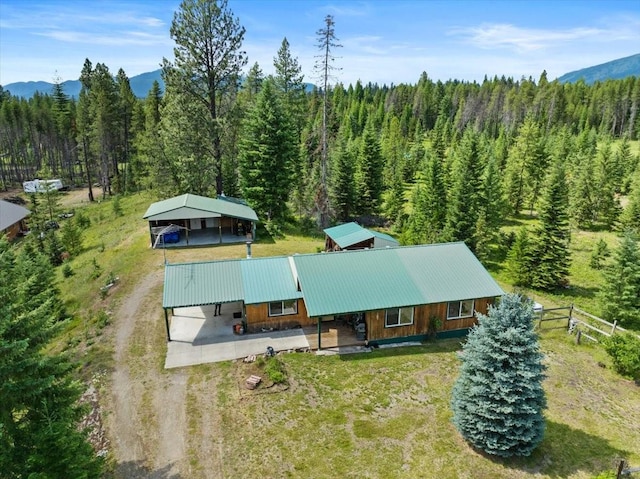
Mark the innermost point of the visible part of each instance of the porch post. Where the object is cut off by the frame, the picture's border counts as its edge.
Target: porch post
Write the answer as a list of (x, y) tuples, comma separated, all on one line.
[(166, 323), (319, 333)]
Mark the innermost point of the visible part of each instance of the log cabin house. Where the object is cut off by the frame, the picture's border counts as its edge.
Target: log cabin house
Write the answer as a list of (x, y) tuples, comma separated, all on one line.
[(400, 294)]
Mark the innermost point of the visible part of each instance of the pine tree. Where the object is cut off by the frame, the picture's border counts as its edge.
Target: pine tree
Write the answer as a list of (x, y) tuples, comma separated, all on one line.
[(550, 249), (498, 398), (326, 42), (620, 294), (267, 152), (369, 172), (631, 215), (342, 182), (465, 194), (206, 70), (38, 397), (519, 261)]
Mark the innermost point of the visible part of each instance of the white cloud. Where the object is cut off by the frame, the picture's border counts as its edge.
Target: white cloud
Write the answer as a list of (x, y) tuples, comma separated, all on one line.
[(498, 35)]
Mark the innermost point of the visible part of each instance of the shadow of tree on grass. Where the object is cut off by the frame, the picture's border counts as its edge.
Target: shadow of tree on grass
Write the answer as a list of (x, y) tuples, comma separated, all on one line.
[(138, 470), (565, 451)]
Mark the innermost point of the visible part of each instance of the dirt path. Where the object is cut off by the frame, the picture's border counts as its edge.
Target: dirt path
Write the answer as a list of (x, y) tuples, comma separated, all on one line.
[(147, 420)]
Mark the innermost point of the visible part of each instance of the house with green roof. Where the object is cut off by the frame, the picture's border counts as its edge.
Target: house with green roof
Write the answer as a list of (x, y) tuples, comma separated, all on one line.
[(353, 236), (398, 294), (192, 220)]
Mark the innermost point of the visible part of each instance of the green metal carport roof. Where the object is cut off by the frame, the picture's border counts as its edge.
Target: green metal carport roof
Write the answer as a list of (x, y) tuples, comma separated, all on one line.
[(259, 280), (189, 206), (365, 280)]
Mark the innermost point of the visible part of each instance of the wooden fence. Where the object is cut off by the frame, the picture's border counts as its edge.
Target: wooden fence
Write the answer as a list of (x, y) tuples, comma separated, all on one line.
[(582, 323)]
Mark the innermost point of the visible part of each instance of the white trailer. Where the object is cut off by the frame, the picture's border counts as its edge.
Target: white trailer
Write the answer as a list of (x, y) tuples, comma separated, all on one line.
[(42, 186)]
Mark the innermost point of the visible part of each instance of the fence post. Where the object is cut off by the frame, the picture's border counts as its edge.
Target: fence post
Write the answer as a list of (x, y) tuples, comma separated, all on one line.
[(613, 329), (578, 334), (620, 469), (570, 316), (541, 315)]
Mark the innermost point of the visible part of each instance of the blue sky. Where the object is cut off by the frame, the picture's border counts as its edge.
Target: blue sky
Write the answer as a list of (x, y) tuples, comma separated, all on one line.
[(383, 42)]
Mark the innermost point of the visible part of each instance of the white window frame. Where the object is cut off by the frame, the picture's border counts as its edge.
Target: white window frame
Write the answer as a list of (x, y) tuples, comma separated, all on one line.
[(399, 316), (460, 314), (292, 309)]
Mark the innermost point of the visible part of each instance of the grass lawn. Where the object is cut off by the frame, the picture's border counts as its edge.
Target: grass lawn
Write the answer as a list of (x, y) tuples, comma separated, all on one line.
[(386, 414)]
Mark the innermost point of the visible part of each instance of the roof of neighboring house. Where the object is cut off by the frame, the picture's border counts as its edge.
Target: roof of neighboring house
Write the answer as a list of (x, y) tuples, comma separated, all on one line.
[(10, 214), (190, 206), (336, 283), (364, 280), (258, 280), (348, 234)]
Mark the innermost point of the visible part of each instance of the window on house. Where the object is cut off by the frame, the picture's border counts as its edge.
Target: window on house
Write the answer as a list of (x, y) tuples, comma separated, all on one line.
[(398, 317), (460, 309), (281, 308)]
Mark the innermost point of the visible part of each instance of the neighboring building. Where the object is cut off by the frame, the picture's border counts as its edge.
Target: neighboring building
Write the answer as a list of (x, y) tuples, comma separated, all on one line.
[(12, 219), (350, 236), (191, 220), (399, 293)]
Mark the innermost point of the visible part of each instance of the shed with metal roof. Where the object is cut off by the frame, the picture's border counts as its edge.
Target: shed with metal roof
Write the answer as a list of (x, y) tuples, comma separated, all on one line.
[(12, 218), (196, 220), (353, 236)]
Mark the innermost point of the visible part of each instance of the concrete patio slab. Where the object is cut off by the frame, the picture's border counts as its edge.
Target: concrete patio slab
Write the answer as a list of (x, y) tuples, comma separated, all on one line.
[(199, 337)]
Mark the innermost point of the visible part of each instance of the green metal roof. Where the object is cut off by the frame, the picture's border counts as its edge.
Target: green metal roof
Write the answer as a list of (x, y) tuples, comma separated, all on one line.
[(363, 280), (385, 239), (195, 284), (336, 283), (348, 234), (193, 206), (268, 279), (259, 280)]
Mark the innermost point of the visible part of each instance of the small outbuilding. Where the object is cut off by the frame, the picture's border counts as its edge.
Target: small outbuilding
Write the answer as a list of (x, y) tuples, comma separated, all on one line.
[(12, 219), (350, 236), (192, 220)]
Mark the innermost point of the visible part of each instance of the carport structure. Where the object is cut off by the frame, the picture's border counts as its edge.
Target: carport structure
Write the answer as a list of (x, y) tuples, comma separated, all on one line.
[(198, 220)]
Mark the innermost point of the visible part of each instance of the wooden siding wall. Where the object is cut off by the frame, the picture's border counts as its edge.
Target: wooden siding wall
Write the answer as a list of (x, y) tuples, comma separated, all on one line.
[(12, 231), (257, 316), (421, 316)]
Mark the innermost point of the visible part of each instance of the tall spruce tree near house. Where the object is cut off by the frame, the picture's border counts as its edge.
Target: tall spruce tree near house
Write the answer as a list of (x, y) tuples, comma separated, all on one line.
[(39, 414), (498, 398), (290, 82), (620, 294), (550, 245), (369, 172), (464, 198), (267, 151), (208, 61), (631, 215), (519, 260)]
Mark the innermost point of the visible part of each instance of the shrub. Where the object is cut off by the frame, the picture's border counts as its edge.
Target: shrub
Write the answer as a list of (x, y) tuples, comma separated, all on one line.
[(82, 220), (274, 369), (67, 272), (624, 350)]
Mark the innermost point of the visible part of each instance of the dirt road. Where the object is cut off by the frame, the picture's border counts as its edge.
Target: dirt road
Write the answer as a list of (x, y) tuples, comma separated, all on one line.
[(147, 420)]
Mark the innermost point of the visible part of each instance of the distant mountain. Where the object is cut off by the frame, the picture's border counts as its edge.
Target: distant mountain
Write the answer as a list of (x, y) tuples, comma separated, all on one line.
[(140, 84), (613, 70)]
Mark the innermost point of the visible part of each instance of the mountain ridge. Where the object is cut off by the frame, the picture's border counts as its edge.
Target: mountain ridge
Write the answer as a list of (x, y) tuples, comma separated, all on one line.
[(141, 84)]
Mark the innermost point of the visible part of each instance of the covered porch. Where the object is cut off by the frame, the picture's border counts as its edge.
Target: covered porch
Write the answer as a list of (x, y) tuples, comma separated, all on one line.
[(332, 335), (204, 237), (198, 336)]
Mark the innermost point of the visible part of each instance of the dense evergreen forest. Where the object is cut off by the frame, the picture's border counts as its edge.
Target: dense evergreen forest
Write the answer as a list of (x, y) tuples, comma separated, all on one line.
[(433, 161)]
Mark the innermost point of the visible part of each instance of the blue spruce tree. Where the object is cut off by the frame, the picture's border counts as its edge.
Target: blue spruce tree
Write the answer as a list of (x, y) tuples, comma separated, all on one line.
[(498, 398)]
